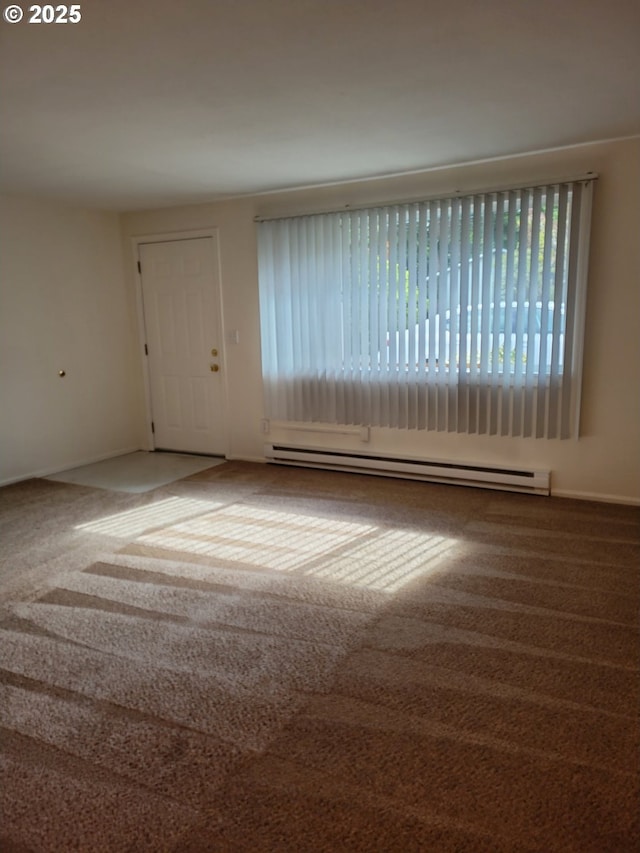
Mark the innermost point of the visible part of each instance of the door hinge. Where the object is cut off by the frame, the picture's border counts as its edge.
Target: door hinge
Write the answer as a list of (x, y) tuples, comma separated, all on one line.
[(153, 427), (139, 268), (146, 350)]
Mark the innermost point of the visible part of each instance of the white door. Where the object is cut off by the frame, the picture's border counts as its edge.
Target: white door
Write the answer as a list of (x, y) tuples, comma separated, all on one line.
[(180, 292)]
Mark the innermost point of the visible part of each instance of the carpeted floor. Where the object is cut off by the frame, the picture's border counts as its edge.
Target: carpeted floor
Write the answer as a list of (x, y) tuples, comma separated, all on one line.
[(267, 659)]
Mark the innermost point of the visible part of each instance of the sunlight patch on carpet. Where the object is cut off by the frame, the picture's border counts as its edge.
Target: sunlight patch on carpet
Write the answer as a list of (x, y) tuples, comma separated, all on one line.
[(133, 522), (388, 561), (274, 540), (349, 553)]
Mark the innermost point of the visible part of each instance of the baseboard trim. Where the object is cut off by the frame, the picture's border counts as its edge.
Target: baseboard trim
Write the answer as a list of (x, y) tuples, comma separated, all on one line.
[(45, 472), (595, 496)]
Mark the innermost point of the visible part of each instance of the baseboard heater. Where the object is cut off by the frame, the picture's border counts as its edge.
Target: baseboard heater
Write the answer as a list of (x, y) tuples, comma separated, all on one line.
[(386, 465)]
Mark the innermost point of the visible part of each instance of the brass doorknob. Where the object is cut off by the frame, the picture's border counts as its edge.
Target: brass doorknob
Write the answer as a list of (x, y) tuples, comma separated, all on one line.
[(215, 368)]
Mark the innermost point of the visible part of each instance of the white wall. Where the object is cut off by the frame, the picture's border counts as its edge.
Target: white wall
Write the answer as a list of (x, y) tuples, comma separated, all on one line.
[(605, 462), (63, 306)]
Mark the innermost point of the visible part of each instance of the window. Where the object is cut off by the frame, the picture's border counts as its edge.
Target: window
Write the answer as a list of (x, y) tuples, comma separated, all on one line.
[(463, 314)]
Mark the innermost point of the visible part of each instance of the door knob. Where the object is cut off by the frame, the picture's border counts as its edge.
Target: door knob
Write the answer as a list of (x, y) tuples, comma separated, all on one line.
[(215, 368)]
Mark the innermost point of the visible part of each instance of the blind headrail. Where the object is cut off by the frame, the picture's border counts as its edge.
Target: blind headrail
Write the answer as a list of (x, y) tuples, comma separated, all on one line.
[(442, 196)]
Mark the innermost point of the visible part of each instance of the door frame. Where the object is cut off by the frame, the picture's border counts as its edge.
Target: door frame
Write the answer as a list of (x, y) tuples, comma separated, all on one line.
[(171, 237)]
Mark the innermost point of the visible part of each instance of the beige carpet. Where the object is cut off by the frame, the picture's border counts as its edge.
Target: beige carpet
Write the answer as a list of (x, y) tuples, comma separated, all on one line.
[(268, 659)]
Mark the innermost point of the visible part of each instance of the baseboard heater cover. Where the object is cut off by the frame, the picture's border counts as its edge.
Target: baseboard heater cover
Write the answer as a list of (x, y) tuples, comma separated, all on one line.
[(484, 476)]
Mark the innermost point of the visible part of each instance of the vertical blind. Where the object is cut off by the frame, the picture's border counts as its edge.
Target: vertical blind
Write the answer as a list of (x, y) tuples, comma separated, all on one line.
[(463, 314)]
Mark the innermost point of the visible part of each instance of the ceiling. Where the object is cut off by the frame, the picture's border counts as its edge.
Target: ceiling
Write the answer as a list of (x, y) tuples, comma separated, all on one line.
[(147, 103)]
